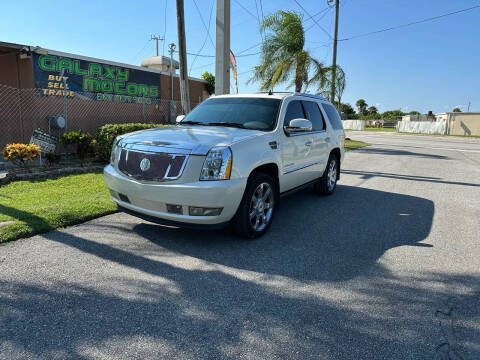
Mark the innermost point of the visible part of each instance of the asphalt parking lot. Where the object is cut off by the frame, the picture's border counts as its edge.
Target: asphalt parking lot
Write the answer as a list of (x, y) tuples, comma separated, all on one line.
[(386, 268)]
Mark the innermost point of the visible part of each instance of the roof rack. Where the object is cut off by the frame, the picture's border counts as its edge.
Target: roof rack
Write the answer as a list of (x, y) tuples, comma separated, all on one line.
[(270, 92), (311, 96)]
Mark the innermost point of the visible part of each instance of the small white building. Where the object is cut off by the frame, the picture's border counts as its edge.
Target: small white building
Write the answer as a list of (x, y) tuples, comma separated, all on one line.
[(161, 63)]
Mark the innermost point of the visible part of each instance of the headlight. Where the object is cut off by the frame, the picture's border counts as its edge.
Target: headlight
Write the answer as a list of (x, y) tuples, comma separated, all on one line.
[(218, 164), (115, 151)]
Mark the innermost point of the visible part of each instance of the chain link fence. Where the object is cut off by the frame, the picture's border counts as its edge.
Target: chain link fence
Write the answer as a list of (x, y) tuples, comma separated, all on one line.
[(23, 110)]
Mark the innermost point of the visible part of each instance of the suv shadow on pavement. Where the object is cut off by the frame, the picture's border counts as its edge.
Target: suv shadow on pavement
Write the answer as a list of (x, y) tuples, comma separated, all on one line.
[(150, 307), (333, 238)]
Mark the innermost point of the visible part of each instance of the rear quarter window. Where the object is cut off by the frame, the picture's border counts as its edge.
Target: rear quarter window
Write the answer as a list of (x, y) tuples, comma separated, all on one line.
[(333, 116)]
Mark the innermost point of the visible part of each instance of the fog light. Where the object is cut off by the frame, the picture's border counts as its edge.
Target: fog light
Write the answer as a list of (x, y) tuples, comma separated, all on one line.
[(124, 198), (175, 209), (201, 211), (113, 194)]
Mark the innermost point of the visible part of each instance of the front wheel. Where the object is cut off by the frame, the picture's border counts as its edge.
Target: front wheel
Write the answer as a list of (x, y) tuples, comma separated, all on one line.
[(327, 184), (255, 213)]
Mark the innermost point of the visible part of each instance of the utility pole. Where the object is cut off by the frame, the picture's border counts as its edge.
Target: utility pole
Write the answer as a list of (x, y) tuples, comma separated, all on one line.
[(334, 58), (171, 48), (156, 38), (222, 48), (468, 109), (182, 52), (172, 108)]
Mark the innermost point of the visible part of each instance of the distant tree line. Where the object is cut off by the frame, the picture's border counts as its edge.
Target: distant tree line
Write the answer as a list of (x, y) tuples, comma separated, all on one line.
[(366, 112)]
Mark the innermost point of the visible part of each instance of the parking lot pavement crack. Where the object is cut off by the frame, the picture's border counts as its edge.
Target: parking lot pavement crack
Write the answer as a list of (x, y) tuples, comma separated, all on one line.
[(448, 349)]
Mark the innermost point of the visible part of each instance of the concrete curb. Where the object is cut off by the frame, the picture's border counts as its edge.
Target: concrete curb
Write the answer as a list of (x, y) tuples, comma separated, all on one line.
[(47, 174)]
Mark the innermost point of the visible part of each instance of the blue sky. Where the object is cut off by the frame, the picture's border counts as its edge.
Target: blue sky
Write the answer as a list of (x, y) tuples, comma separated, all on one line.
[(429, 66)]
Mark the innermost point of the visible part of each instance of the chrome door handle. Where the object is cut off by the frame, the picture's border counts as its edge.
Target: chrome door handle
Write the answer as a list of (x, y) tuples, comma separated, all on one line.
[(327, 139), (308, 143)]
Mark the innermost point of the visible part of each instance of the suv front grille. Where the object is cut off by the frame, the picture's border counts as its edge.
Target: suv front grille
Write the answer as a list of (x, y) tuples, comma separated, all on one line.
[(151, 166)]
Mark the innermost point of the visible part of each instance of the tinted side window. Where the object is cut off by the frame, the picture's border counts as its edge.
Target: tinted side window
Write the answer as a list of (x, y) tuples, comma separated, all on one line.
[(294, 111), (314, 115), (333, 116)]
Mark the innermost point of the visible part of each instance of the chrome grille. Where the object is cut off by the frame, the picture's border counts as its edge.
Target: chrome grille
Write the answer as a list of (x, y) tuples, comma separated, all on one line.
[(151, 166)]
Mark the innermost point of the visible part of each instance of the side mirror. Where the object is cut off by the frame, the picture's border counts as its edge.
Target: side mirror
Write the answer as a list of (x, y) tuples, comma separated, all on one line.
[(298, 126), (179, 118)]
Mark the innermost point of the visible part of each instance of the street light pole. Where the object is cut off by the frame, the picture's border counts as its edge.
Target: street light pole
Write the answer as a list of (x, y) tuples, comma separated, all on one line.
[(171, 48), (334, 56)]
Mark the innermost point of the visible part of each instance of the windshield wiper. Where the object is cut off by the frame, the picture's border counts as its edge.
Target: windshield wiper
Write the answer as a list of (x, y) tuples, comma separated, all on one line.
[(231, 124), (192, 122)]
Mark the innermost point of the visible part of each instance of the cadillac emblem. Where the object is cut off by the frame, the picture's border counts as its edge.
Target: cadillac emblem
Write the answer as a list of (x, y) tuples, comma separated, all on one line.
[(144, 164)]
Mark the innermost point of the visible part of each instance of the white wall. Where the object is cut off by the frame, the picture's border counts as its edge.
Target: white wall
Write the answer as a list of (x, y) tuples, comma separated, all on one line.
[(354, 124), (422, 127)]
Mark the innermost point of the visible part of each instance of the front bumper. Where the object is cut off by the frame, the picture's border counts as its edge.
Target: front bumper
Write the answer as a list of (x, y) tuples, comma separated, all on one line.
[(151, 199)]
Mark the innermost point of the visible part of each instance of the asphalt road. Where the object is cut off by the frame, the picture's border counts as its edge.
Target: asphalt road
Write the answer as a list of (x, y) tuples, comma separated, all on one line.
[(386, 268)]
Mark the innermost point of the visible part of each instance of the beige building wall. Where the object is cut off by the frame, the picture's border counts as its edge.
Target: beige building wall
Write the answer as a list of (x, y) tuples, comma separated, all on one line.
[(464, 124)]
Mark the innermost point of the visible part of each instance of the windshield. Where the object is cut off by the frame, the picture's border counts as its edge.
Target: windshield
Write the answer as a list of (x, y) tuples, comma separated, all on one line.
[(248, 113)]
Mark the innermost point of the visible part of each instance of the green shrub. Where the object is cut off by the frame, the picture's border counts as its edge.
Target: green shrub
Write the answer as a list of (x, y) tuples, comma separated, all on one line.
[(84, 141), (106, 134)]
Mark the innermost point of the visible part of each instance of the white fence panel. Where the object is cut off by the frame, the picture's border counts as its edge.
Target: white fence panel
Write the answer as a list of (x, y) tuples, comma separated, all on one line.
[(354, 124), (422, 127)]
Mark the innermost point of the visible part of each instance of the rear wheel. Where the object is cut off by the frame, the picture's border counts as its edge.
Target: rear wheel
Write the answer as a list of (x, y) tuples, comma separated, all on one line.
[(255, 213), (327, 184)]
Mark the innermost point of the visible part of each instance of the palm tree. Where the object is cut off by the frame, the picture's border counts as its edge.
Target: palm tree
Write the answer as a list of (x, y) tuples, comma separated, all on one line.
[(340, 83), (362, 106), (283, 56)]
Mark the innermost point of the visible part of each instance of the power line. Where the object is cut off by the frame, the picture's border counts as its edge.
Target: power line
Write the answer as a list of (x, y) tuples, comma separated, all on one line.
[(263, 17), (409, 24), (246, 72), (203, 66), (244, 8), (206, 37), (249, 48), (143, 48), (311, 17), (164, 28), (261, 8), (326, 12), (204, 25), (318, 13), (212, 56), (259, 22), (245, 55)]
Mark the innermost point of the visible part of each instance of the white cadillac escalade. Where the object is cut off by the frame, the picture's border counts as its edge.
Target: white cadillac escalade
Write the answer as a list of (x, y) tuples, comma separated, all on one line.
[(228, 161)]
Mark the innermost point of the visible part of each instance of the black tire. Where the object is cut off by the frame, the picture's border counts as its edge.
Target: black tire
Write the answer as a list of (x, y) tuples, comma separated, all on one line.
[(243, 223), (325, 186)]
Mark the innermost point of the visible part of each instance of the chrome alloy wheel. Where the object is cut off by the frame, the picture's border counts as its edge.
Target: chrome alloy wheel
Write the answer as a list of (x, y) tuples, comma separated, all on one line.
[(261, 207), (332, 175)]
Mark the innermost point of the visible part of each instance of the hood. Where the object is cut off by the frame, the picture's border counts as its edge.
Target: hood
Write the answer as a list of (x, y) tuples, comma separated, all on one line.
[(196, 140)]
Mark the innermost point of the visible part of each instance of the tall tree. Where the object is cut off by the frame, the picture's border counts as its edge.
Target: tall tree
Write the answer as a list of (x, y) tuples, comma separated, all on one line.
[(362, 105), (372, 110), (210, 82), (348, 110), (283, 57), (457, 109), (325, 88)]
